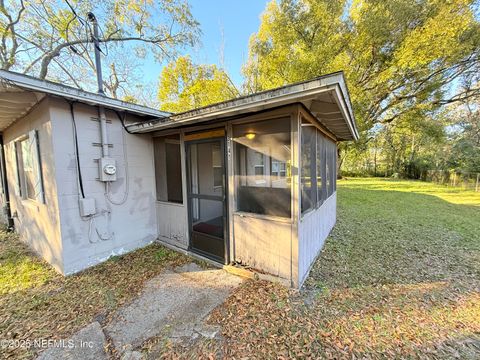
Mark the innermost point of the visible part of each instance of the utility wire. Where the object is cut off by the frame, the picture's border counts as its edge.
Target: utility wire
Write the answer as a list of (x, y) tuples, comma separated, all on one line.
[(80, 181)]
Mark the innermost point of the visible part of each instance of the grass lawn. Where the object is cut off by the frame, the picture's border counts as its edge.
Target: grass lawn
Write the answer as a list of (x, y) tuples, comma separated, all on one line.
[(38, 303), (399, 277)]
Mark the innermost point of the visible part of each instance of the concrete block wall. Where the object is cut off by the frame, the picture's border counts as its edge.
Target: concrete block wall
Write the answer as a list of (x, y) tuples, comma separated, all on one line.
[(38, 224), (115, 229)]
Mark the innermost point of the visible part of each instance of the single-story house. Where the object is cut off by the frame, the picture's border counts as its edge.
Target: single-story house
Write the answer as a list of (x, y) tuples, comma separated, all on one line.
[(249, 181)]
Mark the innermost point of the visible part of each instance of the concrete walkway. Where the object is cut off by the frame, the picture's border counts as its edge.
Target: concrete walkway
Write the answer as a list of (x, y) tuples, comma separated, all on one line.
[(173, 304)]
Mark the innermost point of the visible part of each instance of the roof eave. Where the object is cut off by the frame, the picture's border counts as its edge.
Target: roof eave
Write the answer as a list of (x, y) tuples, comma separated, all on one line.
[(269, 99), (32, 84)]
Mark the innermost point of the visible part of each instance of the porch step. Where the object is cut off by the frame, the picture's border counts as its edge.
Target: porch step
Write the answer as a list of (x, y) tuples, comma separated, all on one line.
[(240, 271)]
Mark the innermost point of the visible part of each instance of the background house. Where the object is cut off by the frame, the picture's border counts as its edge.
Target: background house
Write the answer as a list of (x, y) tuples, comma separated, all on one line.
[(250, 181)]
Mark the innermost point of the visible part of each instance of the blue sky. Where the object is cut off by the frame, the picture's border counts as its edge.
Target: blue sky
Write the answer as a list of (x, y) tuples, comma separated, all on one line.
[(236, 19)]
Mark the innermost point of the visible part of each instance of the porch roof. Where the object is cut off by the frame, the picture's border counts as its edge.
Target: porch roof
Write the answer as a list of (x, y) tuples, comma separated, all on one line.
[(19, 93), (326, 97)]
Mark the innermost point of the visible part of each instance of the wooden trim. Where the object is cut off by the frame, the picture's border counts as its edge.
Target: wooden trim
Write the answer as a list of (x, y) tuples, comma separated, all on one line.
[(230, 177), (205, 135), (314, 121), (278, 219), (188, 129)]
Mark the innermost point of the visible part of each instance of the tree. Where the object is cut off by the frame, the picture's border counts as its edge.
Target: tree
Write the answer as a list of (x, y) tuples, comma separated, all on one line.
[(53, 39), (185, 85), (463, 150), (400, 57)]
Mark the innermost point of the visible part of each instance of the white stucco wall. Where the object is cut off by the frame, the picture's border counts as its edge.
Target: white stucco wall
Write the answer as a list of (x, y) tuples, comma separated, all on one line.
[(123, 227), (313, 229), (37, 224)]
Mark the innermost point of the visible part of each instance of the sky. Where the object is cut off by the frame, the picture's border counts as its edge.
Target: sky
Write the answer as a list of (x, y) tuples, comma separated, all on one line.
[(225, 24)]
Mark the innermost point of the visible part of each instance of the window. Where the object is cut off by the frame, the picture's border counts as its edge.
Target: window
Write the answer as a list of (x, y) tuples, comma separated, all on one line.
[(318, 167), (262, 167), (320, 158), (168, 169), (308, 180), (331, 153), (29, 183), (259, 167), (334, 166), (279, 169), (217, 166)]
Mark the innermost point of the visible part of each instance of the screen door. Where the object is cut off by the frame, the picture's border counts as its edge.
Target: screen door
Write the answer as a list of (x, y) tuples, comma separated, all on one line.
[(206, 197)]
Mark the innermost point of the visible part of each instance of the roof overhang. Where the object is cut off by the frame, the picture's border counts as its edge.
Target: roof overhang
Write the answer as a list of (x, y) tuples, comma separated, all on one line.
[(326, 97), (19, 93)]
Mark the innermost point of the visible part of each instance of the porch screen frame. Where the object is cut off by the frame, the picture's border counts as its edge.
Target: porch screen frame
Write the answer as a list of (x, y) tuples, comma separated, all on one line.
[(179, 143), (306, 116), (290, 112)]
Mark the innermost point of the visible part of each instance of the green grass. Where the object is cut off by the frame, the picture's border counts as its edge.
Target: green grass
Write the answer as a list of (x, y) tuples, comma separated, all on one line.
[(36, 302), (399, 277), (18, 270)]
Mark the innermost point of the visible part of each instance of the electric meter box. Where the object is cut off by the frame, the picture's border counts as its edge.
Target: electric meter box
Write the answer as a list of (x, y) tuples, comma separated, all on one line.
[(107, 169)]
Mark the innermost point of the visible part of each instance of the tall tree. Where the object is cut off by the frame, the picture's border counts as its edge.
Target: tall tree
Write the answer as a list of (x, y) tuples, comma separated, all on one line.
[(399, 56), (463, 149), (185, 85), (53, 38)]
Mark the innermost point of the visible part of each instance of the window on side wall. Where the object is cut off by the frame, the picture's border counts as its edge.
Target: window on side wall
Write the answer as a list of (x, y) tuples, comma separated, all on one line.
[(308, 180), (320, 162), (168, 168), (331, 153), (29, 184), (262, 167)]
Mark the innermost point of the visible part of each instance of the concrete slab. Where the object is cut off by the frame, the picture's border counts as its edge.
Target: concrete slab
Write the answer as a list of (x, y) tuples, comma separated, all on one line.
[(173, 304), (87, 344)]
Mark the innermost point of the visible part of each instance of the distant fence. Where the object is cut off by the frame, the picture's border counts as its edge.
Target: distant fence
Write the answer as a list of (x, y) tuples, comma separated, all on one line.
[(464, 180)]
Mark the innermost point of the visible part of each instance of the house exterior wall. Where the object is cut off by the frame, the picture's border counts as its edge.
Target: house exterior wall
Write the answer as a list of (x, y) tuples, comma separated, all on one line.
[(115, 229), (37, 224), (313, 229)]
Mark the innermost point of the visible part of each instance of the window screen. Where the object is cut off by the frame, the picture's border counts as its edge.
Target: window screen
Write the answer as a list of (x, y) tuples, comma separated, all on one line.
[(28, 168), (308, 168), (331, 153), (168, 169), (320, 162), (318, 167), (217, 166), (262, 167)]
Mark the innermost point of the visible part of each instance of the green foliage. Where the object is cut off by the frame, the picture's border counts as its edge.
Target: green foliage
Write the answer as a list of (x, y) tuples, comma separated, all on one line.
[(463, 150), (400, 59), (47, 39), (164, 254), (185, 85)]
